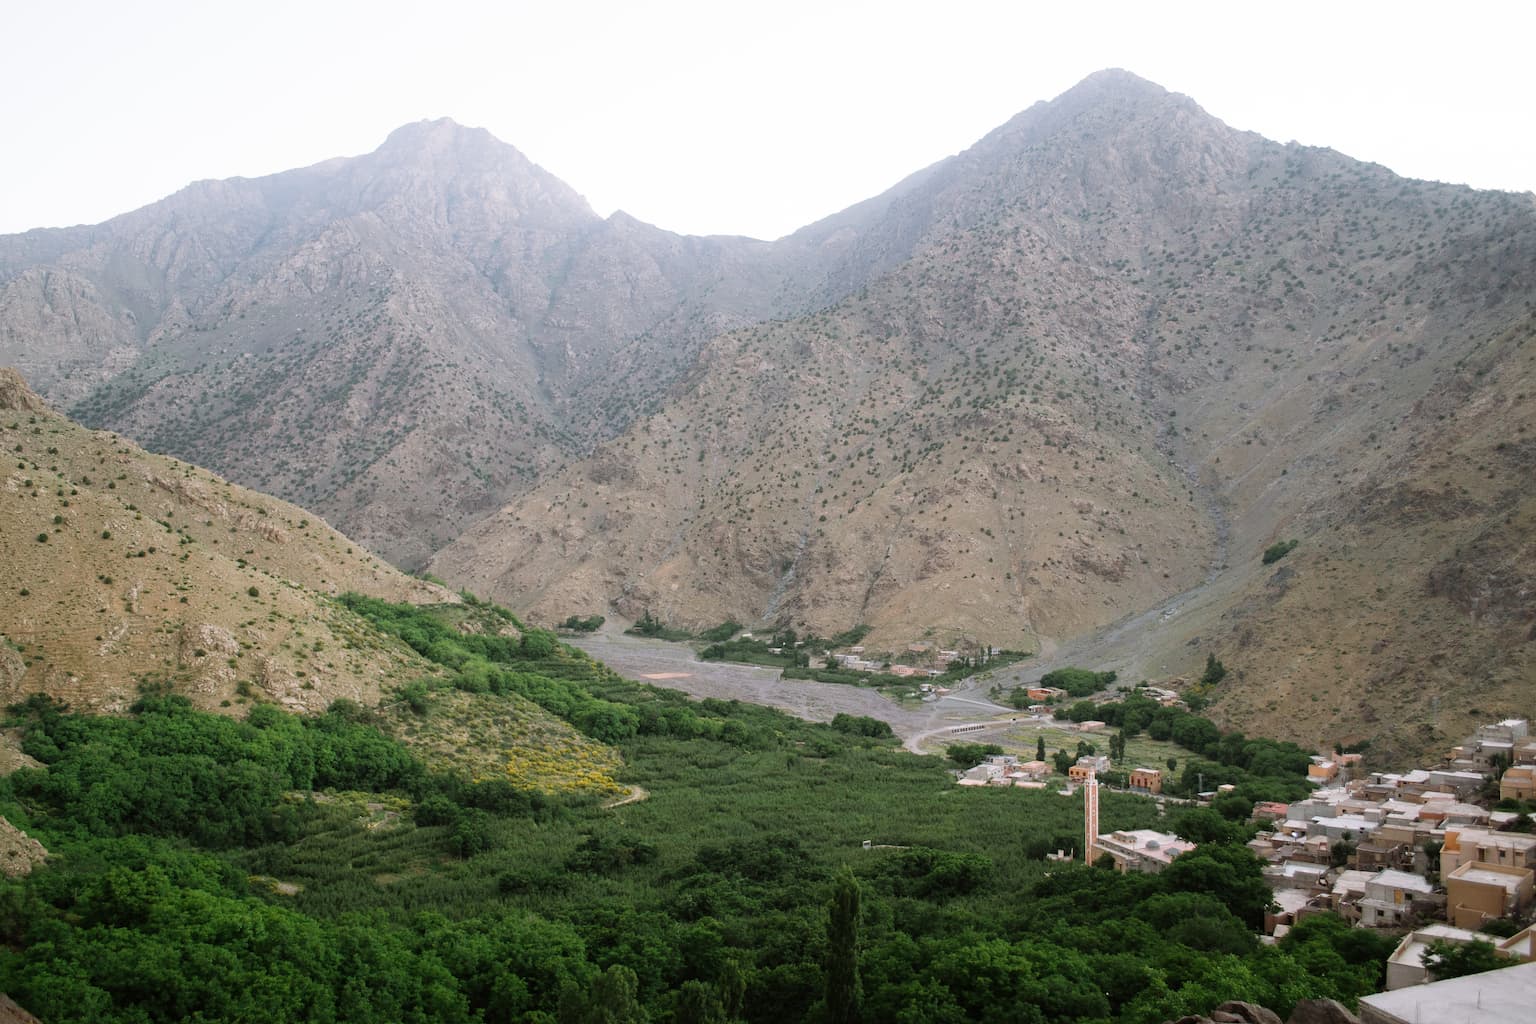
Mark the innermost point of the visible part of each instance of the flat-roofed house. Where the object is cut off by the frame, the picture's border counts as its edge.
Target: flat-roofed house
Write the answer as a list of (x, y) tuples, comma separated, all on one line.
[(1477, 893), (1389, 898), (1143, 849)]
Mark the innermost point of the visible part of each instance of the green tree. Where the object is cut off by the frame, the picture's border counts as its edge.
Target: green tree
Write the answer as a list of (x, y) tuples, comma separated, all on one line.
[(844, 991), (612, 998), (1039, 748), (697, 1003), (1455, 960), (969, 755)]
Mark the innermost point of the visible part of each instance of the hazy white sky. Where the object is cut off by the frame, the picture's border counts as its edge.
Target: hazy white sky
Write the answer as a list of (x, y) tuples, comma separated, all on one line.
[(720, 116)]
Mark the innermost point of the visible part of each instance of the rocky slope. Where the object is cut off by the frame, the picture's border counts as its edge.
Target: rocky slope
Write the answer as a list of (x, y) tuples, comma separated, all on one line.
[(398, 341), (1059, 391), (1132, 349), (119, 567)]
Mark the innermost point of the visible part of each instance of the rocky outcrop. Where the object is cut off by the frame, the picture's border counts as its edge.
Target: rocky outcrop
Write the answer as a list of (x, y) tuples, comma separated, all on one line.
[(1308, 1011), (1321, 1011), (15, 396), (19, 852)]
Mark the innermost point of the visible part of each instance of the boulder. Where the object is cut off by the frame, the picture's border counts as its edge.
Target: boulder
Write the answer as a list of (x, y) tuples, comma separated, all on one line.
[(1321, 1011), (1236, 1011)]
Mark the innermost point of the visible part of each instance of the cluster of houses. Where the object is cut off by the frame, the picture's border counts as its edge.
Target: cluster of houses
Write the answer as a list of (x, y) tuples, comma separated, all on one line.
[(1411, 851), (853, 659), (1008, 770)]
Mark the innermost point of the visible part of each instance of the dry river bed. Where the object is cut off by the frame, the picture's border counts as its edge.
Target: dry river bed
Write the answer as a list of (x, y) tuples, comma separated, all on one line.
[(675, 666)]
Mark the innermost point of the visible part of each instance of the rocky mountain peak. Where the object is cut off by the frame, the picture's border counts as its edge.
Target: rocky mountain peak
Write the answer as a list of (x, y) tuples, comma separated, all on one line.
[(460, 172), (441, 136)]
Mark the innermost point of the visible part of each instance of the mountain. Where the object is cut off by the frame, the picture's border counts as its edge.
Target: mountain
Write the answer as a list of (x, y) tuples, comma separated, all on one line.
[(399, 341), (120, 567), (1130, 350), (1060, 391)]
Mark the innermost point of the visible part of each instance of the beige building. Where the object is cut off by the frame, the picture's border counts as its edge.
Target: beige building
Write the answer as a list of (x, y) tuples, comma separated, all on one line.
[(1086, 767), (1148, 780), (1477, 893), (1142, 849), (1510, 849), (1518, 783), (1406, 964)]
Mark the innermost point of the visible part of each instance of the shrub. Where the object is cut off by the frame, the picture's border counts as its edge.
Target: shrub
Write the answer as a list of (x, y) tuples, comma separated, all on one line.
[(969, 755), (1275, 552), (1078, 682), (863, 725), (722, 632)]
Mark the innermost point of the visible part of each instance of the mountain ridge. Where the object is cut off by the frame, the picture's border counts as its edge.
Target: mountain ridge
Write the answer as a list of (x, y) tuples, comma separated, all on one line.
[(1093, 364)]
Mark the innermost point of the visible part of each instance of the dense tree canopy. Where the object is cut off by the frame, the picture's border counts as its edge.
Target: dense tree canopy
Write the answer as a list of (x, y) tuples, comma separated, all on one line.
[(212, 869)]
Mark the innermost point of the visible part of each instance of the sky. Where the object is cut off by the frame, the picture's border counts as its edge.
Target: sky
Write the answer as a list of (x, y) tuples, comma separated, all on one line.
[(720, 117)]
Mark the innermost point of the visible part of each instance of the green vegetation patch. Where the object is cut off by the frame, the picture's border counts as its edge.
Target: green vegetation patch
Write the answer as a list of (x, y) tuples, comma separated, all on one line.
[(1275, 552), (779, 870)]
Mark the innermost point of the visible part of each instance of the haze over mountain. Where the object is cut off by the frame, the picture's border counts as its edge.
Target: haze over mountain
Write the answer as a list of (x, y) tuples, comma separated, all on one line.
[(1101, 359)]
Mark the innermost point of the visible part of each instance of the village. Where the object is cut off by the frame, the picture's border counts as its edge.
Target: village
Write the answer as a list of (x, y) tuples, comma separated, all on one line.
[(1418, 853)]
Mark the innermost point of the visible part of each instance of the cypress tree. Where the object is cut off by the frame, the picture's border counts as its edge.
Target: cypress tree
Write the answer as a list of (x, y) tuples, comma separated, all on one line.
[(844, 991)]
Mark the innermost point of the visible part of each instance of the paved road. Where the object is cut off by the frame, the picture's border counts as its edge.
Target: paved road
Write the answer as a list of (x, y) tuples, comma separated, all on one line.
[(674, 666)]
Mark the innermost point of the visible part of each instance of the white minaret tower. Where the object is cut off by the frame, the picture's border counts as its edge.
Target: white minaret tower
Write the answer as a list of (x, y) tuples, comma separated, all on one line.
[(1090, 818)]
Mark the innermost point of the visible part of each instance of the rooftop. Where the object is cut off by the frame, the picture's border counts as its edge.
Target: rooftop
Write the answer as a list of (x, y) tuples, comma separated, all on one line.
[(1401, 880), (1493, 997), (1411, 949), (1483, 874)]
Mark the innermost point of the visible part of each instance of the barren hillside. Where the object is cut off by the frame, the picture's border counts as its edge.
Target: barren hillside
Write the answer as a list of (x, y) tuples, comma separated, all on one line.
[(119, 567)]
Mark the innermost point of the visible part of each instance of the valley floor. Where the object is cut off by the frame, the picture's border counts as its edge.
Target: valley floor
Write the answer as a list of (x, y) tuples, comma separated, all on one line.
[(675, 666)]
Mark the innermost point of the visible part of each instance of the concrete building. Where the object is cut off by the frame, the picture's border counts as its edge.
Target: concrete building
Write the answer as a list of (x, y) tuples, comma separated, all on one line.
[(1146, 780), (1494, 997), (1477, 893), (1406, 964), (1501, 739), (1462, 783), (1142, 850), (1389, 900), (1512, 849), (1518, 783), (1270, 809), (1086, 766), (1348, 890), (1322, 772)]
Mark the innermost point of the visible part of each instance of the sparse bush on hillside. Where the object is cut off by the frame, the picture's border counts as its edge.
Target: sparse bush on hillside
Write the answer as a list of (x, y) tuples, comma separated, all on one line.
[(577, 624), (721, 633), (648, 625), (1275, 552)]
